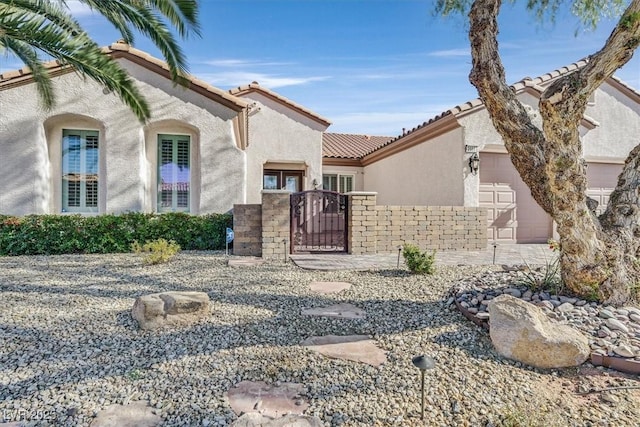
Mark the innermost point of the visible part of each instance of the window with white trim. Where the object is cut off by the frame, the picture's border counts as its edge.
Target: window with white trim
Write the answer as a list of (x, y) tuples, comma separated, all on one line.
[(80, 161), (174, 173), (338, 182)]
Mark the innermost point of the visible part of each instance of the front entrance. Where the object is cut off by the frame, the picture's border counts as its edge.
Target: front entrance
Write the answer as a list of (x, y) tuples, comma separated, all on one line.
[(318, 221)]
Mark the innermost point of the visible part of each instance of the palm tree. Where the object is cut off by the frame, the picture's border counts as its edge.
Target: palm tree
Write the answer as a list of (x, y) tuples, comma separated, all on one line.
[(30, 28)]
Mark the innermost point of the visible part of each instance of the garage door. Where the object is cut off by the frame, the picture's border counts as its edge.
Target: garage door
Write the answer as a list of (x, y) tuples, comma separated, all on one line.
[(602, 179), (513, 215)]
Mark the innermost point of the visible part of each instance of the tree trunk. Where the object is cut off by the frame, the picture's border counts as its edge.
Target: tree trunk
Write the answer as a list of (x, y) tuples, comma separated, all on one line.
[(598, 256)]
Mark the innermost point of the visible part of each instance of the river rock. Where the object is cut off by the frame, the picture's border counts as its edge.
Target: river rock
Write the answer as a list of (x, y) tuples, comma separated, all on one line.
[(523, 332)]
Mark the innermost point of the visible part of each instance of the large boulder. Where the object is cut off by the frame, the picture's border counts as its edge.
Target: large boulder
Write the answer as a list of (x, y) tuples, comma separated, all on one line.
[(521, 331), (170, 309)]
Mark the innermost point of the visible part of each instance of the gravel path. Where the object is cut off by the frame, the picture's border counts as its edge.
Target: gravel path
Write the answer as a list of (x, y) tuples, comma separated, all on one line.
[(69, 348)]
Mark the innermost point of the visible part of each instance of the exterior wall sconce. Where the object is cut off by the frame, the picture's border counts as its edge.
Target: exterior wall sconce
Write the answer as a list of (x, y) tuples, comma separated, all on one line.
[(474, 163)]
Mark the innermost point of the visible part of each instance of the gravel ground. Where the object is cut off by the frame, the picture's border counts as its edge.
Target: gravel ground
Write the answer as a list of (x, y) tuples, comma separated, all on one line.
[(69, 348)]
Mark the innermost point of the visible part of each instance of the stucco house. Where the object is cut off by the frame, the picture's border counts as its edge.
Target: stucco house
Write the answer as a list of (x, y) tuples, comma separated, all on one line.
[(204, 149), (429, 165)]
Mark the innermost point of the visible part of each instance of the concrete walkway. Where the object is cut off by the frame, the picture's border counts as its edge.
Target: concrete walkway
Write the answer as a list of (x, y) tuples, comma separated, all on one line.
[(509, 254)]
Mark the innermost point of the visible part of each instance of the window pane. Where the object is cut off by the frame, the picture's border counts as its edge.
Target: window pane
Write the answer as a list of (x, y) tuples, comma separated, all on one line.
[(174, 175), (346, 183), (92, 194), (270, 182), (330, 182), (80, 164), (292, 183)]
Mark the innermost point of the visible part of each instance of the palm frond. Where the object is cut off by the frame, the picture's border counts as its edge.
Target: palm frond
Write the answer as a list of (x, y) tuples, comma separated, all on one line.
[(29, 56), (146, 16), (80, 52), (28, 27)]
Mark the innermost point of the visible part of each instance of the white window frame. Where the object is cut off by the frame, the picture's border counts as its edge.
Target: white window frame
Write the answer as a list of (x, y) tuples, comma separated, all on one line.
[(82, 175), (341, 181), (177, 193)]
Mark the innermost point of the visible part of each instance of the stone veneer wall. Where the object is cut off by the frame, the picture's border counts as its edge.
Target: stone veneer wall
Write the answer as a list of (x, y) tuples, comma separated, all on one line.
[(431, 227), (275, 224), (381, 229), (362, 222), (247, 230), (264, 230)]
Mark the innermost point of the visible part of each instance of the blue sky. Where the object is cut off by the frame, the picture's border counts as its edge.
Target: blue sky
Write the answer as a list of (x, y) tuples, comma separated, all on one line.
[(369, 66)]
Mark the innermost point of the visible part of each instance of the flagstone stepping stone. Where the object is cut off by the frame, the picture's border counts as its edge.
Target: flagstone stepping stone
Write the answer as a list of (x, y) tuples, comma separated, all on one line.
[(357, 348), (342, 311), (271, 400), (253, 419), (245, 262), (135, 414), (329, 287)]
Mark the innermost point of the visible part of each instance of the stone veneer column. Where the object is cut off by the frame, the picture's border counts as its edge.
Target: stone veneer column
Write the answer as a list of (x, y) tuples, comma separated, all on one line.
[(276, 240), (247, 227), (362, 223)]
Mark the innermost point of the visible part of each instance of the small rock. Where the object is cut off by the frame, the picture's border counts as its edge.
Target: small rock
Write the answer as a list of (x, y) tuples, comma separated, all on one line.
[(616, 324), (546, 304), (565, 307), (605, 314), (624, 351), (610, 398)]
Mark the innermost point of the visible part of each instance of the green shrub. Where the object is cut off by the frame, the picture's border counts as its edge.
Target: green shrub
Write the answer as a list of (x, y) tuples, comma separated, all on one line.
[(546, 278), (157, 251), (64, 234), (418, 262)]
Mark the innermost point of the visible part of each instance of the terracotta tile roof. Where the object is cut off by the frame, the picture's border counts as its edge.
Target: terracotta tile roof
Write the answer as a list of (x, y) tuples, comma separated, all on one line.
[(255, 87), (123, 50), (350, 146), (538, 84)]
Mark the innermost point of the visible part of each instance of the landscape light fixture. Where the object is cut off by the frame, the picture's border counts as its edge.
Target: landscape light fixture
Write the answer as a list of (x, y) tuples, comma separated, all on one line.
[(474, 163), (423, 363)]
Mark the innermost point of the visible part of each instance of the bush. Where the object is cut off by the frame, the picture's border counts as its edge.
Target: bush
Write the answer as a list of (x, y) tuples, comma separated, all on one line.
[(418, 262), (64, 234), (157, 251)]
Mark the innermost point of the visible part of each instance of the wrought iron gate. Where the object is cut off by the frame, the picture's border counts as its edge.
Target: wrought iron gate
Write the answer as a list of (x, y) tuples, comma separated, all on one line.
[(318, 222)]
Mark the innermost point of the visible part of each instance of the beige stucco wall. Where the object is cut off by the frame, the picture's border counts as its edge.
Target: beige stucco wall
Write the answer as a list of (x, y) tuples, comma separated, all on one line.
[(616, 133), (619, 126), (278, 135), (430, 173), (30, 145)]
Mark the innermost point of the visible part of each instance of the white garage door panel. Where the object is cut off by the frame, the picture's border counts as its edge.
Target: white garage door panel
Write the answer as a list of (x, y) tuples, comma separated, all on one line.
[(513, 215), (601, 181)]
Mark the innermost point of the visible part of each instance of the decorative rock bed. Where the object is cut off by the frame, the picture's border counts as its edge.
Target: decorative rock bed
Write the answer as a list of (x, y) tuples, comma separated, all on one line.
[(69, 348), (614, 333)]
